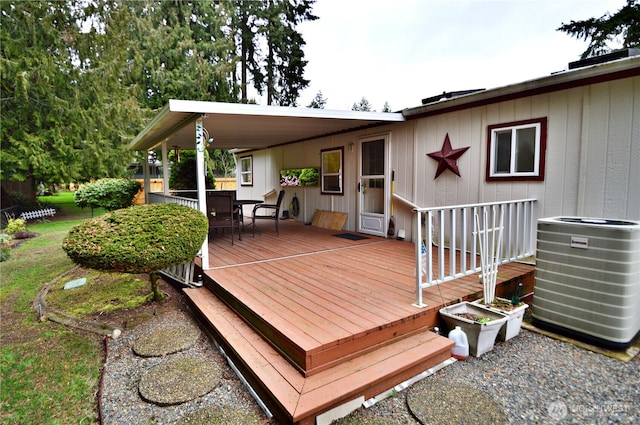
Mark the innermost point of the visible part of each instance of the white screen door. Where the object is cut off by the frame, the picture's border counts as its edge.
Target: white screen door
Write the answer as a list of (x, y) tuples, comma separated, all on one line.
[(372, 184)]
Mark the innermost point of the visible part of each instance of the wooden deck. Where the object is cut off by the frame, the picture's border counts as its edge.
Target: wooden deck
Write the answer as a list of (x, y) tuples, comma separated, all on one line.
[(314, 320)]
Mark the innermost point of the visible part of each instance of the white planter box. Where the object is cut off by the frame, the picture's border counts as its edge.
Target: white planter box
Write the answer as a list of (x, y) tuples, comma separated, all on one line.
[(481, 336), (514, 315)]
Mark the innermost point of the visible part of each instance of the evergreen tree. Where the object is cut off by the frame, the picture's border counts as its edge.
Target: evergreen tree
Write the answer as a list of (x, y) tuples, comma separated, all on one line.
[(65, 116), (318, 102), (223, 162), (386, 107), (606, 32), (183, 173), (279, 69), (363, 105), (245, 24), (181, 51), (285, 58), (79, 78)]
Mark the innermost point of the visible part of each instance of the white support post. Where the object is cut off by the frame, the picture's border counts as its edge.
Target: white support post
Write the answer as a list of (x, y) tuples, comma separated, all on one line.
[(165, 168), (145, 176), (201, 185), (419, 271)]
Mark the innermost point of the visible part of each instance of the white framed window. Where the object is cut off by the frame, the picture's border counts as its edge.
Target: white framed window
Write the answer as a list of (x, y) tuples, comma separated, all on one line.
[(331, 171), (246, 171), (517, 150)]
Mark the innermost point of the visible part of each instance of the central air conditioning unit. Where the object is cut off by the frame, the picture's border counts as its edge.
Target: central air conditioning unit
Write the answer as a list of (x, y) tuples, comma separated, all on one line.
[(588, 279)]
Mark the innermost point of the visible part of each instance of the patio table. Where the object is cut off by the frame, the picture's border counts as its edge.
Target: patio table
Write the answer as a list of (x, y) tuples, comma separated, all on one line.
[(242, 202)]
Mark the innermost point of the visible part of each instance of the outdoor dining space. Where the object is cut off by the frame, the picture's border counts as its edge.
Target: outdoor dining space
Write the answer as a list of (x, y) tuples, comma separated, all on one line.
[(315, 318), (226, 211)]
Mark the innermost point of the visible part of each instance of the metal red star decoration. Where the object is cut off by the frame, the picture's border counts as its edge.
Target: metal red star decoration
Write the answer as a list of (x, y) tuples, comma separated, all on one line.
[(447, 157)]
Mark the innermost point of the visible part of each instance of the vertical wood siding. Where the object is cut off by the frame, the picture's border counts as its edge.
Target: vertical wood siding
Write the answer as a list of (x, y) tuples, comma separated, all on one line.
[(592, 157)]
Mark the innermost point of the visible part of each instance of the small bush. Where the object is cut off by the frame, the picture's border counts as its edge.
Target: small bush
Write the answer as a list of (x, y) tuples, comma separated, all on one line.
[(183, 174), (15, 225), (110, 194), (5, 253)]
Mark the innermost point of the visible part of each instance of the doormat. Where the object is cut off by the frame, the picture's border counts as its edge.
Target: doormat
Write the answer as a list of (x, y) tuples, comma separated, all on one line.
[(350, 236)]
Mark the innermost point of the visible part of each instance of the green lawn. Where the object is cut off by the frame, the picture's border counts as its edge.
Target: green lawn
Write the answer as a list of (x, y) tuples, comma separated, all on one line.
[(49, 373), (64, 202)]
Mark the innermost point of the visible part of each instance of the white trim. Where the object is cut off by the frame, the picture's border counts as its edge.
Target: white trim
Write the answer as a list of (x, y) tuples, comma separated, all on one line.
[(513, 160), (221, 108)]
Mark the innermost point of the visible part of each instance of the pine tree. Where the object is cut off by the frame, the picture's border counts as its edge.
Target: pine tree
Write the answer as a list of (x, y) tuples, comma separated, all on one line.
[(363, 105), (278, 69), (318, 102), (65, 116), (180, 51), (605, 32)]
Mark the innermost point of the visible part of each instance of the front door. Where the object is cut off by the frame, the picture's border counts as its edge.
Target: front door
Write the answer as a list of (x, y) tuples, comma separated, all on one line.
[(372, 184)]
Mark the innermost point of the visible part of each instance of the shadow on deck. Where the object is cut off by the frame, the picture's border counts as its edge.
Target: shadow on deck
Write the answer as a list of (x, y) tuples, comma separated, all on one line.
[(314, 321)]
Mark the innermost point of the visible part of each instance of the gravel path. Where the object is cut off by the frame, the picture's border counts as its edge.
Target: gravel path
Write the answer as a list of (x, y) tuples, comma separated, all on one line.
[(531, 379), (124, 370)]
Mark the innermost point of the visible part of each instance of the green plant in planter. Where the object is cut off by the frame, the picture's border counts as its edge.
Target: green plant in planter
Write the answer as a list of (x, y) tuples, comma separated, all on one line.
[(138, 239), (474, 317)]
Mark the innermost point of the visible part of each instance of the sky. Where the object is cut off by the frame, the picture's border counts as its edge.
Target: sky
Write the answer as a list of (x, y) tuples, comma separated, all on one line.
[(401, 51)]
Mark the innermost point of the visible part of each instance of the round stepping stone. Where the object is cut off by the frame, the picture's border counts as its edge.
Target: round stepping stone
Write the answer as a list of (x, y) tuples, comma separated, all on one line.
[(168, 340), (452, 403), (221, 415), (179, 380)]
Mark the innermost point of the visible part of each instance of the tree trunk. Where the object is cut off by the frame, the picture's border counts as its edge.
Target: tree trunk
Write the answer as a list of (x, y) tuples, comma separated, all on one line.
[(153, 278), (244, 40)]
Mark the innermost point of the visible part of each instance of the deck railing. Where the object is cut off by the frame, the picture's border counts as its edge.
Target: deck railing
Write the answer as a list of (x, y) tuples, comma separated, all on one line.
[(448, 247), (161, 198)]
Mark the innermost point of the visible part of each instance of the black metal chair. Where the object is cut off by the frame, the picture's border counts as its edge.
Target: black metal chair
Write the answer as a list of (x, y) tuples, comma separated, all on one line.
[(275, 213), (222, 212)]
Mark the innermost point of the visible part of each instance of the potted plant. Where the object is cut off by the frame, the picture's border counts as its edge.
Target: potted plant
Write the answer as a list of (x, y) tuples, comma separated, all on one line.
[(479, 323), (514, 309)]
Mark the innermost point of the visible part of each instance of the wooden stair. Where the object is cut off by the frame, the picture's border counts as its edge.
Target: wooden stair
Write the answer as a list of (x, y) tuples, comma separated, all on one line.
[(295, 397), (307, 356)]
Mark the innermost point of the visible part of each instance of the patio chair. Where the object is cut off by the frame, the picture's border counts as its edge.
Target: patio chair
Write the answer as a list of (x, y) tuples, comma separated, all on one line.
[(223, 213), (275, 213)]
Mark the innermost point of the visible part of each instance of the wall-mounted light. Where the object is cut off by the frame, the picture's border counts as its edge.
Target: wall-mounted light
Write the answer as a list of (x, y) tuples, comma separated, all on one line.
[(350, 147)]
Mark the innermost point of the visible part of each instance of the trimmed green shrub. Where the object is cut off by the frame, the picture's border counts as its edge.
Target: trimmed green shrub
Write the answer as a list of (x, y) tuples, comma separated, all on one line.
[(110, 194), (138, 239)]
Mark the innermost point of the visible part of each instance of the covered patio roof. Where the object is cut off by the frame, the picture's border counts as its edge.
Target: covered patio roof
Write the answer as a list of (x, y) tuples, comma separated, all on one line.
[(241, 126)]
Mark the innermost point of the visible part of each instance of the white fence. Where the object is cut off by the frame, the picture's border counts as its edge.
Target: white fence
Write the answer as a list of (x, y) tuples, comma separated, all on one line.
[(450, 237), (46, 212)]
